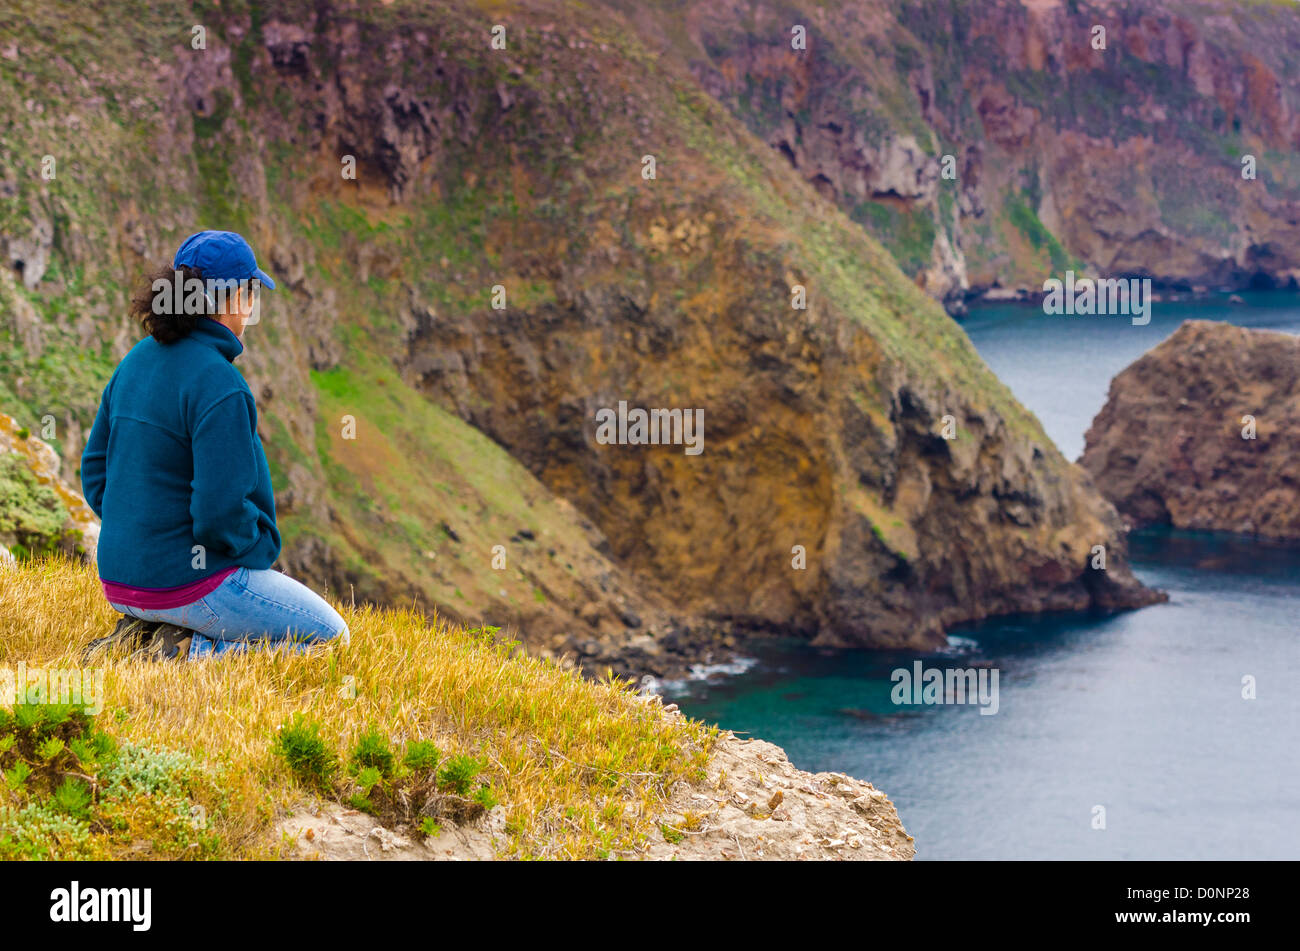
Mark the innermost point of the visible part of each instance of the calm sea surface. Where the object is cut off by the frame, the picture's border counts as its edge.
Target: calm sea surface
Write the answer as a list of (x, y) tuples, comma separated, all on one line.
[(1139, 713)]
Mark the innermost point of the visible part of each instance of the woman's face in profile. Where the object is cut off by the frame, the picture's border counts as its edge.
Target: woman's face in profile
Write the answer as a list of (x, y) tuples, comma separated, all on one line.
[(244, 310)]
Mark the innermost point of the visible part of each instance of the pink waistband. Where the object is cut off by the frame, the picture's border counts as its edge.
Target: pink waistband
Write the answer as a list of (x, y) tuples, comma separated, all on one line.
[(160, 599)]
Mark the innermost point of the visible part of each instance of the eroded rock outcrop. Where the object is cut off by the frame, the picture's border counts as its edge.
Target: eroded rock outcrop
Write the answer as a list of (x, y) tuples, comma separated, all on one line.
[(752, 804), (39, 511), (1200, 433)]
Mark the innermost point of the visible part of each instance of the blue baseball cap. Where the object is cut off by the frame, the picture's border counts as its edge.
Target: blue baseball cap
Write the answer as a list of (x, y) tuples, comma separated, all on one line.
[(221, 256)]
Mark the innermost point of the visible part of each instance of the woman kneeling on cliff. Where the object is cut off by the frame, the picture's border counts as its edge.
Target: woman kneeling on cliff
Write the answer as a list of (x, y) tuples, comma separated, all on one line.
[(175, 470)]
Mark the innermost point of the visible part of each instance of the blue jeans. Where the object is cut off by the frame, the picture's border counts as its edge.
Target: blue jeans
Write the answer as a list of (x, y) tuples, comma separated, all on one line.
[(251, 608)]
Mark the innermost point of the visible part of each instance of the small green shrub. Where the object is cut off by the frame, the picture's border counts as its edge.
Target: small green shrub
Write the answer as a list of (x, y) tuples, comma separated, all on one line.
[(457, 775), (72, 798), (309, 757), (50, 748), (360, 803), (372, 751), (16, 775), (152, 772), (368, 779), (412, 791), (486, 798), (99, 746), (421, 756), (36, 831)]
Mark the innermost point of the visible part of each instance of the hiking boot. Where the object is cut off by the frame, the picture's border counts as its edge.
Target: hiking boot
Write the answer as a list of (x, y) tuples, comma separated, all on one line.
[(129, 636), (168, 642)]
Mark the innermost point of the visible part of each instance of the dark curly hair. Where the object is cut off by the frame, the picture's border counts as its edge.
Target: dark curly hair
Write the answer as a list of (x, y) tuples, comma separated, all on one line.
[(166, 327)]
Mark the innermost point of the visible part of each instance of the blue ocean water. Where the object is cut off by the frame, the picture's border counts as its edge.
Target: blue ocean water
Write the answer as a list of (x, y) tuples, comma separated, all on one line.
[(1140, 713)]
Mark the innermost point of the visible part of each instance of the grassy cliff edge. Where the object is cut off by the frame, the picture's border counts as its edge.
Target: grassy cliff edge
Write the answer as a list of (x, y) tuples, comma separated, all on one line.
[(523, 758)]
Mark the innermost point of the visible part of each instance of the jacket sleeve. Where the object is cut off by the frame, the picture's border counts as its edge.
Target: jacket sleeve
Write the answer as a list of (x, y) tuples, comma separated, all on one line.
[(94, 460), (226, 472)]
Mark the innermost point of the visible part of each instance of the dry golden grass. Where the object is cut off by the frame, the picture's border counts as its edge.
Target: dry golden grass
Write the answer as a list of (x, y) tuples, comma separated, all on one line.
[(582, 768)]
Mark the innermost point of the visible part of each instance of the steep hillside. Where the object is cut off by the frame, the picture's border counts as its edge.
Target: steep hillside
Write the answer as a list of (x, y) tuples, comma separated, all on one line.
[(1127, 159), (826, 498), (1200, 433), (409, 503)]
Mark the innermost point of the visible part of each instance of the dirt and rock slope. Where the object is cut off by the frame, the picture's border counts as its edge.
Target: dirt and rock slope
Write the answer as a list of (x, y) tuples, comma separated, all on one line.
[(751, 805), (1200, 433)]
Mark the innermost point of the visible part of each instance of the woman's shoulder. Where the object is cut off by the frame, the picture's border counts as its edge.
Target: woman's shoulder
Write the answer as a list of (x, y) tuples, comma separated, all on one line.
[(203, 378), (218, 380)]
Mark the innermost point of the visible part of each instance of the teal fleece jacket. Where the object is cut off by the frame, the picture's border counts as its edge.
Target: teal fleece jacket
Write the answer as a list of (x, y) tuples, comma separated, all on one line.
[(174, 467)]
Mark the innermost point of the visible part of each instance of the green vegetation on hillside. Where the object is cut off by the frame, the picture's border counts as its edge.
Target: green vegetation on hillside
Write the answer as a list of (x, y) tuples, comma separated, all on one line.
[(73, 791), (1021, 214), (32, 516)]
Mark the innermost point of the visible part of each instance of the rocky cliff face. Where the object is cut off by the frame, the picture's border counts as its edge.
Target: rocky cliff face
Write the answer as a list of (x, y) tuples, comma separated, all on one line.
[(1200, 433), (1126, 159), (476, 258)]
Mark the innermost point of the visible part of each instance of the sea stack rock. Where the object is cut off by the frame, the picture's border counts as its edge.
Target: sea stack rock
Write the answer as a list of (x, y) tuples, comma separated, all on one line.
[(1203, 432)]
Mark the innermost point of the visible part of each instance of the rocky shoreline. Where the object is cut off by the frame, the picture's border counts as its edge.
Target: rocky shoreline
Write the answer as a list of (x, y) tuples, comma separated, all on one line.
[(674, 656), (1161, 293)]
